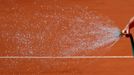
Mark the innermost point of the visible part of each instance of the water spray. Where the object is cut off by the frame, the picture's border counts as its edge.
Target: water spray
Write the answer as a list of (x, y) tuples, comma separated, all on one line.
[(126, 32)]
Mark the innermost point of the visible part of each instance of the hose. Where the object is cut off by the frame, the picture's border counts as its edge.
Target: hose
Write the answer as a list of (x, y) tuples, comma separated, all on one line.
[(132, 43)]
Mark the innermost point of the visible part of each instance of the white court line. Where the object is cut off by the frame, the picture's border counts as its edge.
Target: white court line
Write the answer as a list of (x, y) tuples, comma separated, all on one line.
[(63, 57)]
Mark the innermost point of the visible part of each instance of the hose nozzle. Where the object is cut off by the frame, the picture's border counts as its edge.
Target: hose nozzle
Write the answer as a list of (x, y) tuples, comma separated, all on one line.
[(126, 30)]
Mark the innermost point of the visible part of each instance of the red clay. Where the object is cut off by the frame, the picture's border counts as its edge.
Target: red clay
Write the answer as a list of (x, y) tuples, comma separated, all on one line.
[(17, 16)]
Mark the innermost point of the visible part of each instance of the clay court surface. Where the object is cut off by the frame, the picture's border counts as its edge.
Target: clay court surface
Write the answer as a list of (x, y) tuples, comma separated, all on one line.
[(23, 17)]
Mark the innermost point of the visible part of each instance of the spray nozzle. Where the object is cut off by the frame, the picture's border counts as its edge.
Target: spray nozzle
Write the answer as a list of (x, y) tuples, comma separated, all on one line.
[(126, 30)]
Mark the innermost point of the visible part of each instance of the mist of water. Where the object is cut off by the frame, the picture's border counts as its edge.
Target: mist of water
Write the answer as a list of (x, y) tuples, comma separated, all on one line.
[(57, 31)]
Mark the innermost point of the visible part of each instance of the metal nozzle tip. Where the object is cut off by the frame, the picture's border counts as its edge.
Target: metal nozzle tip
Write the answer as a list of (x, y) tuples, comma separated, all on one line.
[(124, 34)]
